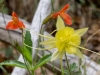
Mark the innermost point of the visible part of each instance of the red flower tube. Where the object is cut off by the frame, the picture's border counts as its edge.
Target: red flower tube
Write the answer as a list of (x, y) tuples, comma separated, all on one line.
[(63, 15)]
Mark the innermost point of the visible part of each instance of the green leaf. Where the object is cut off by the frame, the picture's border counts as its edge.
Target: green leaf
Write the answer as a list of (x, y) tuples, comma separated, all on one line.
[(42, 61), (9, 52), (13, 63), (28, 41), (77, 73), (73, 69), (27, 55), (18, 47), (25, 52)]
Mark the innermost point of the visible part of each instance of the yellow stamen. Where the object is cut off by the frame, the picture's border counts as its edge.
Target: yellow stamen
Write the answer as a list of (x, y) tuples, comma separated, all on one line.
[(53, 32), (38, 48), (38, 34), (86, 49)]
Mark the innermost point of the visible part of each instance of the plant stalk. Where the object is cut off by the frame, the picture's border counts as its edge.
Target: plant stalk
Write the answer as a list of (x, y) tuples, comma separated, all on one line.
[(68, 64)]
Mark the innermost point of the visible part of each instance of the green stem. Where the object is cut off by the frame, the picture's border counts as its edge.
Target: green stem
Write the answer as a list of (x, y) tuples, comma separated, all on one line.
[(42, 71), (62, 72), (52, 6), (84, 67), (80, 61), (68, 64), (4, 70), (40, 40), (55, 72), (27, 66)]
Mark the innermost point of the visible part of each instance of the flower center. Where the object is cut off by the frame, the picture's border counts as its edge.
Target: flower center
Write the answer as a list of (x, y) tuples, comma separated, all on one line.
[(15, 20), (65, 37)]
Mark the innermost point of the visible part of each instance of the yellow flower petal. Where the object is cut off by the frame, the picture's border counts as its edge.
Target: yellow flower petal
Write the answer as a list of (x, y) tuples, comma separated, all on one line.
[(79, 54), (68, 31), (57, 54), (59, 35), (49, 42), (60, 23), (75, 39), (81, 32), (71, 50)]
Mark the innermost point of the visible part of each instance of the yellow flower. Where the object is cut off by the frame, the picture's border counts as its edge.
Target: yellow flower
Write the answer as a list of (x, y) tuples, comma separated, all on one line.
[(66, 40)]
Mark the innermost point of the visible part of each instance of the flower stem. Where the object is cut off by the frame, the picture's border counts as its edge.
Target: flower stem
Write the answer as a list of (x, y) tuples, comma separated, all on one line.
[(4, 70), (62, 72), (67, 64), (84, 67), (52, 5), (54, 71), (41, 32), (80, 63), (43, 72)]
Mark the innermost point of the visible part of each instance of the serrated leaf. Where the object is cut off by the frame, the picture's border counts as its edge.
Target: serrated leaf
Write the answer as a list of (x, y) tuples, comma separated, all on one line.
[(27, 55), (66, 72), (13, 63), (77, 73), (73, 67), (23, 50), (28, 41), (42, 61)]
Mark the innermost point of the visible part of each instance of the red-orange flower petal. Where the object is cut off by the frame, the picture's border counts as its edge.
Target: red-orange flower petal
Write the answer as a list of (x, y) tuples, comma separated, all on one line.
[(55, 15), (11, 26), (21, 25), (64, 8), (15, 23), (66, 18), (14, 14)]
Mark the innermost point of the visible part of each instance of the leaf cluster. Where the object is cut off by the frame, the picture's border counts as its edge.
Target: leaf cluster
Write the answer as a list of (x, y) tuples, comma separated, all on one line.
[(74, 70)]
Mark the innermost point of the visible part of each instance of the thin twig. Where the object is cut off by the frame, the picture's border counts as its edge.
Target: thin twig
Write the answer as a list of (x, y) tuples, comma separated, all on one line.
[(91, 36), (62, 72)]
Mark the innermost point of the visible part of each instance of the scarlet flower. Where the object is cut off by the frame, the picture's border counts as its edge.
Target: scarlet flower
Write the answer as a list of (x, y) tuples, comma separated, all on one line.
[(63, 15), (15, 23)]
